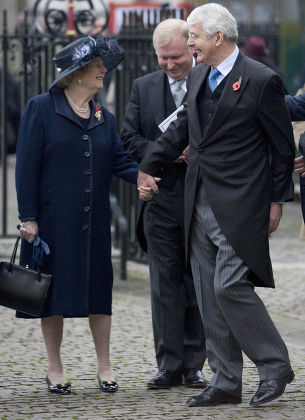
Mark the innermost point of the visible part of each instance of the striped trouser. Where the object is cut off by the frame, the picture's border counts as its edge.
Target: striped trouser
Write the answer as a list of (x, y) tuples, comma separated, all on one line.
[(234, 317)]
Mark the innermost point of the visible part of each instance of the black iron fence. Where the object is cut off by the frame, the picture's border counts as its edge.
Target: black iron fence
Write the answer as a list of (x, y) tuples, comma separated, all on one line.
[(27, 70), (140, 59)]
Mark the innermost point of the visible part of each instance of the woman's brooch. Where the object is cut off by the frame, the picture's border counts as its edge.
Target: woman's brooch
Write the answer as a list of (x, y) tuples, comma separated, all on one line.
[(98, 112)]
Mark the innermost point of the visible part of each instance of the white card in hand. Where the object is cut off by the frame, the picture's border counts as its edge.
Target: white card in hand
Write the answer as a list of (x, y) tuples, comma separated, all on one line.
[(172, 117)]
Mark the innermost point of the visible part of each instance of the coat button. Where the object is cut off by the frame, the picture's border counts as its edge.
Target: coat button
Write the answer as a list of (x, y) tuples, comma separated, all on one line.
[(88, 172), (88, 190), (87, 154), (85, 137), (85, 227), (86, 209)]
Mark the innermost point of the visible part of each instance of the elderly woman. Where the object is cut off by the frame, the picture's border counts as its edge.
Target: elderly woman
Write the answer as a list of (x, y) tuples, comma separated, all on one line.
[(68, 149)]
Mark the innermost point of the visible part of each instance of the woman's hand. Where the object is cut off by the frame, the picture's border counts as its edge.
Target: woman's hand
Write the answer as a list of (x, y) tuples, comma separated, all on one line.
[(28, 230)]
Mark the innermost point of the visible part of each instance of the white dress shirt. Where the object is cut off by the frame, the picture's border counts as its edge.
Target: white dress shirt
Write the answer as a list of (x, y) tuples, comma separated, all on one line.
[(226, 66)]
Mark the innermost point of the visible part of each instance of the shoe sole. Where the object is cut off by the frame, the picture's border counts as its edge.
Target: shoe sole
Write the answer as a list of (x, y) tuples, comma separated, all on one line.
[(67, 392), (221, 402), (164, 386), (290, 379), (109, 391), (199, 385)]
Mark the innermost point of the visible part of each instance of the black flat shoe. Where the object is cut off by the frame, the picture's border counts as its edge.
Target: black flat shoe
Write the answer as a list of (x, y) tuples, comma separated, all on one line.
[(107, 386), (193, 378), (271, 389), (213, 396), (165, 379), (59, 388)]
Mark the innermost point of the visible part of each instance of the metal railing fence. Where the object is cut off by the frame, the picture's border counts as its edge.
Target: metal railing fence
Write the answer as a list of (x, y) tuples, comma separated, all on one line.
[(26, 69)]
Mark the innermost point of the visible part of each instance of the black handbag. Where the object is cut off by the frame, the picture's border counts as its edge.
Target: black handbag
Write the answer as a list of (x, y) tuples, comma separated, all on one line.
[(21, 288)]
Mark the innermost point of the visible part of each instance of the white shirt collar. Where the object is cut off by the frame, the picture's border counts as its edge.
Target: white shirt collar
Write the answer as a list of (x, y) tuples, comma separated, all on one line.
[(226, 66)]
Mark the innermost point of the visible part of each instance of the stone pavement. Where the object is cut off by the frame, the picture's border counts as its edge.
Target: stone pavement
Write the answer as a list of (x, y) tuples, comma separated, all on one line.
[(23, 393)]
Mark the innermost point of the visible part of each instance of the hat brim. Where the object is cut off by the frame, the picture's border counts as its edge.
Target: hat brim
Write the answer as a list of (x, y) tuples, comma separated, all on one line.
[(109, 62)]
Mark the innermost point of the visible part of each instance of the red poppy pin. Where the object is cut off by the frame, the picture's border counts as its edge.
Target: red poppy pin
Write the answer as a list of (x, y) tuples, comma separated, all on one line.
[(237, 84), (98, 112)]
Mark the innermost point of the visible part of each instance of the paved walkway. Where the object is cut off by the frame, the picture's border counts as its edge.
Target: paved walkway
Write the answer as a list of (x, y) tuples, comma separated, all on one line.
[(23, 393)]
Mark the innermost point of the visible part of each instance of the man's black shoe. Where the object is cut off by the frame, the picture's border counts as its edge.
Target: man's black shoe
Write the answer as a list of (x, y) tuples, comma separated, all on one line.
[(165, 379), (193, 378), (269, 390), (213, 396)]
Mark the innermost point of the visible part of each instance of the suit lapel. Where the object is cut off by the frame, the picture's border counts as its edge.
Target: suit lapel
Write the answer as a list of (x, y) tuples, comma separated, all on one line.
[(194, 88), (229, 97), (156, 96)]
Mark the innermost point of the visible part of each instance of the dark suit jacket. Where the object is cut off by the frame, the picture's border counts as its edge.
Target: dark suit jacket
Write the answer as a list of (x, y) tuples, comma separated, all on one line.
[(233, 159), (144, 112), (296, 107)]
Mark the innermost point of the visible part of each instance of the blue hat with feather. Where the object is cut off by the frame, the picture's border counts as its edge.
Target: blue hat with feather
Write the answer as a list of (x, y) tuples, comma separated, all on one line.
[(84, 50)]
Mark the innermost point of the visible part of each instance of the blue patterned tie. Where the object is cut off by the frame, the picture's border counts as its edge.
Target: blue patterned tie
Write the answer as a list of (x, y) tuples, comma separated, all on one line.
[(214, 73)]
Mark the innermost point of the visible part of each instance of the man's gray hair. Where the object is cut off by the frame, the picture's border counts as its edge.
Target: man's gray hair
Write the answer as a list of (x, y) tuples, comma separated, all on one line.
[(215, 17), (167, 29)]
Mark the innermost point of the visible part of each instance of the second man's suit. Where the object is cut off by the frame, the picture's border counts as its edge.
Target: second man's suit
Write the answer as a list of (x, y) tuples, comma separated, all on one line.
[(177, 326)]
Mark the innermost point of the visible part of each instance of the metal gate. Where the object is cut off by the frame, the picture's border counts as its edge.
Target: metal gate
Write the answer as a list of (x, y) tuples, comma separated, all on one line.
[(27, 70)]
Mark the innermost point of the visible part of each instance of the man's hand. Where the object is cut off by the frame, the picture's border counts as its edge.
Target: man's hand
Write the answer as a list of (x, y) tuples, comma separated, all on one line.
[(28, 231), (147, 185), (275, 216), (145, 193), (299, 166), (183, 157)]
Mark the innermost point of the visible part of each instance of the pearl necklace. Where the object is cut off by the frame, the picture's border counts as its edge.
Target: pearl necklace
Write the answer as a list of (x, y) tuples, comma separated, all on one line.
[(82, 110)]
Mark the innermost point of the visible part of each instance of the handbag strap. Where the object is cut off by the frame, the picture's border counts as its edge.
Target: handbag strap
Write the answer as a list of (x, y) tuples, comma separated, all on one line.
[(13, 257)]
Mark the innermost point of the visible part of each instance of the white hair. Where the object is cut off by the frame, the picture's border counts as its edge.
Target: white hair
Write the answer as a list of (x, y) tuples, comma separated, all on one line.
[(213, 18)]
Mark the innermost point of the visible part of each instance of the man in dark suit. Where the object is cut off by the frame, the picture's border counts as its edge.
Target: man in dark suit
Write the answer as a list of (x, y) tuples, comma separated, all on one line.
[(177, 325), (239, 172)]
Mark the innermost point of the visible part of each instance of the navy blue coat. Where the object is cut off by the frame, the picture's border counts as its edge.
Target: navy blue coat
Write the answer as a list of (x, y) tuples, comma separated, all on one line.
[(296, 106), (63, 176)]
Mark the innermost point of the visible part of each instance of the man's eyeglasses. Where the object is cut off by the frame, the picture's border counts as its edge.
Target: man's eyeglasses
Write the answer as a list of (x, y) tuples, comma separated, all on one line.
[(192, 35)]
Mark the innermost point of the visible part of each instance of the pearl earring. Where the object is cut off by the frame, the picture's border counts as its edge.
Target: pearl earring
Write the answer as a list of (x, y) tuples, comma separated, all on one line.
[(79, 81)]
